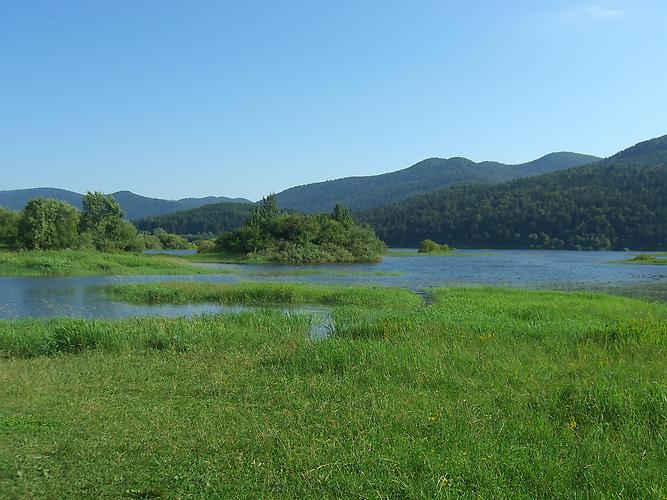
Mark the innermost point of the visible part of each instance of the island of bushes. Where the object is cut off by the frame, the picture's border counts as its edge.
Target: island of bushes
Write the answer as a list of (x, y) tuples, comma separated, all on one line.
[(278, 236)]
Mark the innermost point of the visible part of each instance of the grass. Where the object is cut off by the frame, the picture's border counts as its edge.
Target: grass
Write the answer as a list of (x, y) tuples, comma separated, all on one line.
[(88, 262), (179, 292), (483, 393), (659, 259)]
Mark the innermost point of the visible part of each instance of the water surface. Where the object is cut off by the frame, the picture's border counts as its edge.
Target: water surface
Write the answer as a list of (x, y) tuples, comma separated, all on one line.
[(43, 297)]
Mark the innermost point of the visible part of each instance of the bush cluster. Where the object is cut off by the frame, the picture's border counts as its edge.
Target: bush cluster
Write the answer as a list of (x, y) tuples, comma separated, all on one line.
[(430, 246), (48, 224), (301, 238)]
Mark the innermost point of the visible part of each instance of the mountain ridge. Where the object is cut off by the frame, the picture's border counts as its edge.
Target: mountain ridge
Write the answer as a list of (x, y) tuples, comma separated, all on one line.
[(613, 204), (430, 174)]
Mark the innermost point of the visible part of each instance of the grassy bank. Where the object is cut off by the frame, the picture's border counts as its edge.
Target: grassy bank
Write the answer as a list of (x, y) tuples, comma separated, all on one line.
[(88, 263), (484, 393)]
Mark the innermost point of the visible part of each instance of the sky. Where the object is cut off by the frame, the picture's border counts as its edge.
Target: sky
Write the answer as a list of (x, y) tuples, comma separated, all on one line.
[(174, 99)]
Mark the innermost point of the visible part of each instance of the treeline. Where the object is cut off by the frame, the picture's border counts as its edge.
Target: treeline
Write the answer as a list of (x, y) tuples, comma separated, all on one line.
[(614, 205), (300, 238), (49, 224), (213, 219)]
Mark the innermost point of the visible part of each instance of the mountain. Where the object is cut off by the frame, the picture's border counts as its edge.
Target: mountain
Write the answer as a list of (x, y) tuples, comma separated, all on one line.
[(134, 205), (216, 218), (618, 203), (360, 193)]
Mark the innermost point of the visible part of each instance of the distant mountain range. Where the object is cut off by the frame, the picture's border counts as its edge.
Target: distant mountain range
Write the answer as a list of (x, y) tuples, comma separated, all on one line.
[(360, 193), (617, 203), (134, 206)]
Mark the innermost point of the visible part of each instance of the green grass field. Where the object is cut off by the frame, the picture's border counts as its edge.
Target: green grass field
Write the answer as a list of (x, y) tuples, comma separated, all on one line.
[(485, 393), (88, 262)]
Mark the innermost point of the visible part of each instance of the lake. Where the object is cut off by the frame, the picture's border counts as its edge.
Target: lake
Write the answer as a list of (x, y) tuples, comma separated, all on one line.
[(43, 297)]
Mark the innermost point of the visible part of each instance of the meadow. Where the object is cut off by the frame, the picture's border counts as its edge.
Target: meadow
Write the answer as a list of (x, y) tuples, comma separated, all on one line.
[(477, 392)]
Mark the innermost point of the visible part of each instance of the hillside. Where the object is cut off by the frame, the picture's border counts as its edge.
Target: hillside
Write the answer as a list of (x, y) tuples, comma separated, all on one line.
[(134, 206), (215, 218), (361, 193), (618, 203)]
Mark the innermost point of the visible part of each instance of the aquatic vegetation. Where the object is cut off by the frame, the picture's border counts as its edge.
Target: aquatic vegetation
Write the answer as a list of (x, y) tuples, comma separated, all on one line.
[(179, 292), (483, 393), (649, 258)]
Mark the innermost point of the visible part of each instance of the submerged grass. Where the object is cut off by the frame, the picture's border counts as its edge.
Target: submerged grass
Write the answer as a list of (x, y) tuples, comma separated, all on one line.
[(484, 393), (451, 253), (659, 259), (88, 263)]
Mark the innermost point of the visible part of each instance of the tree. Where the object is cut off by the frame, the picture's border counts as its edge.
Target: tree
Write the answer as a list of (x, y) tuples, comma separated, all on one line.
[(9, 221), (48, 224), (266, 210), (102, 222), (342, 214)]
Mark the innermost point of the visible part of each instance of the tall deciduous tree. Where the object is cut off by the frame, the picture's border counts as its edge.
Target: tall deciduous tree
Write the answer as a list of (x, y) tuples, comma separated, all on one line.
[(102, 222), (9, 221), (48, 224)]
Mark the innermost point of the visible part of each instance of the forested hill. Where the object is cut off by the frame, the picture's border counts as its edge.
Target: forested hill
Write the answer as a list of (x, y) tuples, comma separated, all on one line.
[(619, 203), (216, 219), (361, 193), (134, 206)]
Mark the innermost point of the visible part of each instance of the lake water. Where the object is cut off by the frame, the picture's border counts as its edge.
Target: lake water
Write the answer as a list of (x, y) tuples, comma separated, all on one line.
[(40, 297)]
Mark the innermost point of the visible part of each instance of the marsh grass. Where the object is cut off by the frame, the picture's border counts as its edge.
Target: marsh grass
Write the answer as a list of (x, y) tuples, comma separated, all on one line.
[(659, 259), (178, 292), (486, 392), (88, 262)]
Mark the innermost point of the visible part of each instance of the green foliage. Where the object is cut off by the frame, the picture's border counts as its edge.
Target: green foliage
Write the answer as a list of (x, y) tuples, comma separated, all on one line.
[(614, 205), (430, 246), (300, 238), (484, 393), (215, 219), (206, 246), (9, 227), (159, 239), (102, 224), (47, 224)]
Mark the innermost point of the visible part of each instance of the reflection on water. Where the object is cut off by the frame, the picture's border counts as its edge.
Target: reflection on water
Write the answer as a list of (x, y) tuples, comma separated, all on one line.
[(84, 296)]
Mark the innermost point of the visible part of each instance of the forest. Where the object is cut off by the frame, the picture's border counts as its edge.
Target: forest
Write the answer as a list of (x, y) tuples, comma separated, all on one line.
[(212, 219), (618, 204), (367, 192)]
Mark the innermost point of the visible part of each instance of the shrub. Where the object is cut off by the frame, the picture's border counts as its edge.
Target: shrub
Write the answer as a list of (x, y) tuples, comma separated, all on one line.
[(430, 246)]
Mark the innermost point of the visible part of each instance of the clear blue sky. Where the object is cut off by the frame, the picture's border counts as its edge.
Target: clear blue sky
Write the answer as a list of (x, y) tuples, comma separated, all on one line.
[(175, 98)]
